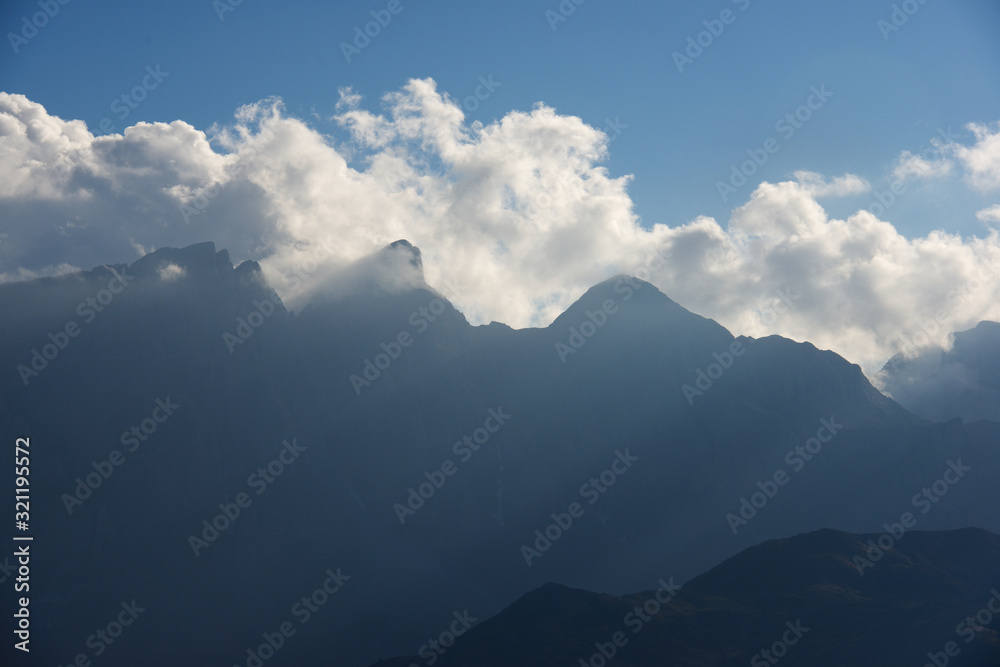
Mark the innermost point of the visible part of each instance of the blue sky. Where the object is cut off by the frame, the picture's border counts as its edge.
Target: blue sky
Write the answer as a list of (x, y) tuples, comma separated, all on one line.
[(608, 60), (601, 138)]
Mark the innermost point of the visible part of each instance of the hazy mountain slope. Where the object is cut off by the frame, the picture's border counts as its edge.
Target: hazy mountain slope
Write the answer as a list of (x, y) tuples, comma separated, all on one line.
[(182, 331), (962, 382)]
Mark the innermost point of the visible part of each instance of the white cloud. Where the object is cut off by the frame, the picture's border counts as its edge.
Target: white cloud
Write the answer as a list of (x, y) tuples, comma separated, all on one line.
[(988, 215), (518, 216), (171, 271), (909, 165), (842, 186), (982, 160), (22, 273)]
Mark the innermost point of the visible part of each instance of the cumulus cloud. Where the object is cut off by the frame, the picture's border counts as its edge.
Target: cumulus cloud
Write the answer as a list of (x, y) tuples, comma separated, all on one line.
[(982, 160), (515, 219), (989, 215), (909, 166), (842, 186)]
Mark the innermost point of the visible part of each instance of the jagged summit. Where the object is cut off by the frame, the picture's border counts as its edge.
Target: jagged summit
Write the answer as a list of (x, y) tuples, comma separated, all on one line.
[(199, 257), (402, 245)]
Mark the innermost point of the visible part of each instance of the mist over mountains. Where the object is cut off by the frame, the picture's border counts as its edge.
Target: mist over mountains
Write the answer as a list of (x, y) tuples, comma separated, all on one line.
[(963, 381), (215, 458), (524, 209)]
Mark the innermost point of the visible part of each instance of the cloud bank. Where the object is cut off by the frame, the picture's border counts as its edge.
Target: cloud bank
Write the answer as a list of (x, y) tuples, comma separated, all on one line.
[(515, 219)]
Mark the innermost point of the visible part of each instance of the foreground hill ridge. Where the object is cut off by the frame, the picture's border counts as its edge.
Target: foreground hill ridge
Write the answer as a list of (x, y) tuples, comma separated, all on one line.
[(932, 580)]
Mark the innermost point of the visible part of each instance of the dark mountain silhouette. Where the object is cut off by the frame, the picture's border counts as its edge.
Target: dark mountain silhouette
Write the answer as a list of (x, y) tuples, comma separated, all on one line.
[(803, 589), (426, 457)]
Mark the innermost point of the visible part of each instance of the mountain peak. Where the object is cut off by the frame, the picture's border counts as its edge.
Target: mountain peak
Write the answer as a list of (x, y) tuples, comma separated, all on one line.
[(406, 249), (196, 258), (397, 267), (645, 304)]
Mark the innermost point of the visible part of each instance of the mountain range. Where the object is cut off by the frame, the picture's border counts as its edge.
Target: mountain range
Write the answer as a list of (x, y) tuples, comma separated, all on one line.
[(203, 451)]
